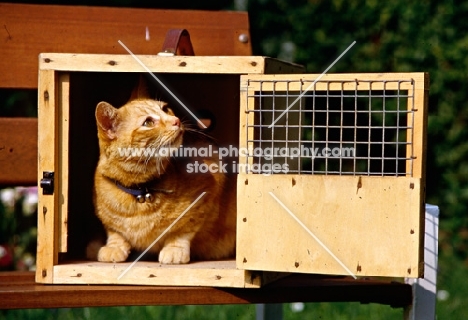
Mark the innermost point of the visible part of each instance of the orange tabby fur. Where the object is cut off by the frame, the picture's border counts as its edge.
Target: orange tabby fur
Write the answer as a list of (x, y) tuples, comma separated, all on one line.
[(206, 232)]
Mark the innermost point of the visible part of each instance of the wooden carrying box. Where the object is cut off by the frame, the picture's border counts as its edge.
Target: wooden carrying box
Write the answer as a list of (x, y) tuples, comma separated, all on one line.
[(334, 179), (70, 86), (306, 203)]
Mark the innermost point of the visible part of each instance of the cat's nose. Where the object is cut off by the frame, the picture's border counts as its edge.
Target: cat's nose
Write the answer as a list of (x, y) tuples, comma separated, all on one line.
[(176, 122)]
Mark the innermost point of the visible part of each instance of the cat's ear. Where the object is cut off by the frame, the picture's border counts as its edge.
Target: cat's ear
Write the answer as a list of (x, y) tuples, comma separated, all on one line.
[(141, 90), (107, 119)]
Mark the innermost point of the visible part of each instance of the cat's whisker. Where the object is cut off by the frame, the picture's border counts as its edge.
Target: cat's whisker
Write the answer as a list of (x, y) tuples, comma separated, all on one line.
[(189, 128)]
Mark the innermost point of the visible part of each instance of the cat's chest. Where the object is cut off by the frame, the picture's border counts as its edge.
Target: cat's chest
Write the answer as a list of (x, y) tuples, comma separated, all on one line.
[(141, 230), (146, 216), (140, 224)]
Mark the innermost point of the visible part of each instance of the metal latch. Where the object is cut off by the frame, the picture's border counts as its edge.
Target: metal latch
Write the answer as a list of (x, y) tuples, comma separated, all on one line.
[(47, 182)]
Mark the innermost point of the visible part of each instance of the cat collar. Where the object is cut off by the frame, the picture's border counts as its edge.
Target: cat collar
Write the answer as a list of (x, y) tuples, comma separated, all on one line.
[(142, 194)]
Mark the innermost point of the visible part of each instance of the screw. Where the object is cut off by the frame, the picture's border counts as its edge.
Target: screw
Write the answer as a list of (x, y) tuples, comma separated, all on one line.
[(243, 38)]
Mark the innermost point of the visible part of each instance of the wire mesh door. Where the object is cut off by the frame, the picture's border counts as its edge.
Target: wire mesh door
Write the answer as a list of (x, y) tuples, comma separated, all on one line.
[(338, 154), (341, 124)]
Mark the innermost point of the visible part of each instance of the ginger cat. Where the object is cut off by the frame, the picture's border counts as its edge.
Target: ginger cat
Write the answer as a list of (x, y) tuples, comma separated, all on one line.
[(206, 232)]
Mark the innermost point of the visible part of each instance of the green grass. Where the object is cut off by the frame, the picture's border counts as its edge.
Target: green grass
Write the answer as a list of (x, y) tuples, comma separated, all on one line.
[(228, 312), (148, 312), (453, 277), (343, 311)]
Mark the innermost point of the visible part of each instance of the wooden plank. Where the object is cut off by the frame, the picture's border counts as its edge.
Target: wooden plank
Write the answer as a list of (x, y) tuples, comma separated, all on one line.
[(174, 64), (370, 224), (421, 102), (202, 273), (28, 30), (417, 140), (18, 151), (350, 82), (246, 118), (47, 240), (64, 116), (198, 273), (418, 120), (18, 290)]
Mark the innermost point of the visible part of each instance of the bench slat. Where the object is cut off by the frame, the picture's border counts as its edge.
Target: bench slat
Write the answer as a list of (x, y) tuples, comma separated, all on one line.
[(18, 290), (18, 151), (28, 30)]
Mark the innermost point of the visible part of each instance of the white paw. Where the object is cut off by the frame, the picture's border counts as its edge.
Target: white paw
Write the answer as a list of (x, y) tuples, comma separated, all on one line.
[(174, 255), (112, 254)]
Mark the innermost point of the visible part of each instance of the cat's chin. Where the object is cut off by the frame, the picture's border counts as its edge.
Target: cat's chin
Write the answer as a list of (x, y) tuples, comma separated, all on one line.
[(150, 170), (135, 171), (178, 137)]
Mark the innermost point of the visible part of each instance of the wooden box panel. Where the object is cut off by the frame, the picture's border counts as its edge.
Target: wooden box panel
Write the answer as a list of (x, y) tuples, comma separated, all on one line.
[(70, 86), (358, 213), (343, 229), (198, 273)]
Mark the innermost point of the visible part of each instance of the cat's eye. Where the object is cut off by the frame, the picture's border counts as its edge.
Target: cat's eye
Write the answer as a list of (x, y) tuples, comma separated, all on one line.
[(165, 108), (149, 122)]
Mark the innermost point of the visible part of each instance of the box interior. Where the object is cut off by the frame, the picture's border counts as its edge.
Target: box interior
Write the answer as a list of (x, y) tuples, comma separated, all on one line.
[(209, 96)]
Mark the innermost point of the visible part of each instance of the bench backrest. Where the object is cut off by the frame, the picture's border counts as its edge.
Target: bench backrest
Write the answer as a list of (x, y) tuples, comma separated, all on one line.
[(31, 29)]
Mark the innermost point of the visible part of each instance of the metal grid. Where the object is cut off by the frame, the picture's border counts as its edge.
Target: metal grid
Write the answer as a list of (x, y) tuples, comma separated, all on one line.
[(343, 131)]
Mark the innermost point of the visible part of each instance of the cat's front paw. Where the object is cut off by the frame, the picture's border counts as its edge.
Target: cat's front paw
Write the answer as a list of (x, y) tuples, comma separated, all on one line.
[(112, 254), (174, 255)]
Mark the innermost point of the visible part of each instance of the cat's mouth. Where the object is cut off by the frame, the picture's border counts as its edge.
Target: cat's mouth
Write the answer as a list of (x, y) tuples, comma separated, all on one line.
[(177, 133), (174, 137)]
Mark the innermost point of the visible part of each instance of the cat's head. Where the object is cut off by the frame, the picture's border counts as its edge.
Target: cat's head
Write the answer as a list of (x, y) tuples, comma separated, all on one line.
[(141, 123), (134, 135)]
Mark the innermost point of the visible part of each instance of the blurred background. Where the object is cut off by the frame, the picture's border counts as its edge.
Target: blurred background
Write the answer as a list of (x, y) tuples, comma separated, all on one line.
[(392, 36)]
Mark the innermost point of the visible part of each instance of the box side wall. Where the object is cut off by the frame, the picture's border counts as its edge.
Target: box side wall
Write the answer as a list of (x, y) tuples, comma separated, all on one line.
[(48, 155)]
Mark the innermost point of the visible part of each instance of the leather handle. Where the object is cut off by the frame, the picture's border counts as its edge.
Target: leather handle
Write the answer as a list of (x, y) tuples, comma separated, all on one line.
[(178, 40)]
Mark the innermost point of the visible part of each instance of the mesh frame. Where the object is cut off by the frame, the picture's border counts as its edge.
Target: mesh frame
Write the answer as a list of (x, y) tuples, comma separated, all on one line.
[(348, 127)]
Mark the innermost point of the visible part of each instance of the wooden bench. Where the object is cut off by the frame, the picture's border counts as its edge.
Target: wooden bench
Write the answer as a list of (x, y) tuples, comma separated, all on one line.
[(18, 290), (31, 29)]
